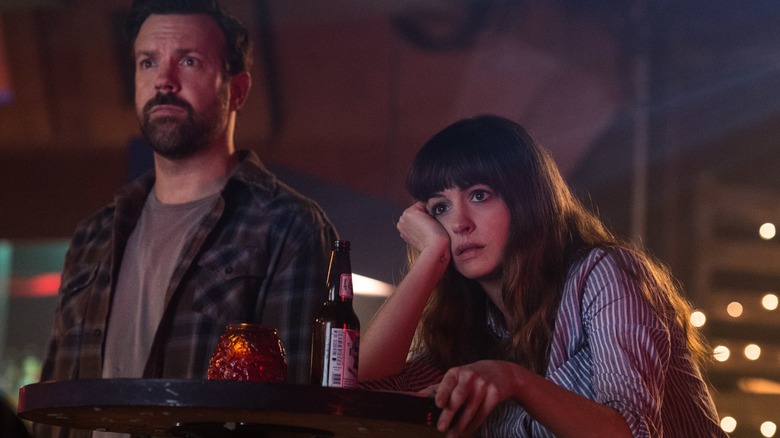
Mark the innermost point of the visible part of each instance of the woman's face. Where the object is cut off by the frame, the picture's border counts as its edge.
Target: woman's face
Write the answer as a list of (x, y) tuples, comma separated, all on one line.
[(477, 221)]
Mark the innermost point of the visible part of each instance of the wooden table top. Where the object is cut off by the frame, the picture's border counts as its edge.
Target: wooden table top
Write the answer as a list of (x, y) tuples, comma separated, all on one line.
[(206, 408)]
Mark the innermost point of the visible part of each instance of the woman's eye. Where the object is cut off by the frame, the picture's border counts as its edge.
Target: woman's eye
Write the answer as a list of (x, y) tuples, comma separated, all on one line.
[(480, 195), (437, 209)]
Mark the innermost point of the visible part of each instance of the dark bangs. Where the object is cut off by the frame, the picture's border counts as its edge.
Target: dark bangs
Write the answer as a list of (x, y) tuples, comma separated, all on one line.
[(468, 152)]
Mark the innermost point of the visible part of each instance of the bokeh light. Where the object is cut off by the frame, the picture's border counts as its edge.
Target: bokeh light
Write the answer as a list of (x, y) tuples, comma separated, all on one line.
[(768, 429), (767, 231), (698, 318), (752, 352), (734, 309), (728, 424), (721, 353), (769, 301)]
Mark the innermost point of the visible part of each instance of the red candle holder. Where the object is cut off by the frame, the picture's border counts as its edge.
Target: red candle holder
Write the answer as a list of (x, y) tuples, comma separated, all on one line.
[(248, 352)]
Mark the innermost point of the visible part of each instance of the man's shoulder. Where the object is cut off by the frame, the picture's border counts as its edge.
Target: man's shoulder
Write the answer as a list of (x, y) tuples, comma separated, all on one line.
[(273, 196), (100, 223), (286, 202), (97, 222), (90, 242)]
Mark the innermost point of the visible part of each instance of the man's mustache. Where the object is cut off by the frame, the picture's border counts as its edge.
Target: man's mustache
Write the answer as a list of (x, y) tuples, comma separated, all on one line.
[(166, 99)]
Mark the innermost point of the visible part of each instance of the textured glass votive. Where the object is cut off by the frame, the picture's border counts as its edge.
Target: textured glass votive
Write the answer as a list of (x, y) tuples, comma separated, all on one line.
[(248, 352)]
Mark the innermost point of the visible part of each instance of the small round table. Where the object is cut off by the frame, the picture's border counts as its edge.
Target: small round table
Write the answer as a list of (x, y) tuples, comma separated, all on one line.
[(205, 409)]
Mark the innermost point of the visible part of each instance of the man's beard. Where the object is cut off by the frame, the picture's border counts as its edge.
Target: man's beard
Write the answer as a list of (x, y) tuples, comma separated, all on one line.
[(173, 138)]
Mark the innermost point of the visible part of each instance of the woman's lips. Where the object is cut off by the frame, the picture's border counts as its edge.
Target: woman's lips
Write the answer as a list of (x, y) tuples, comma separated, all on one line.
[(468, 249)]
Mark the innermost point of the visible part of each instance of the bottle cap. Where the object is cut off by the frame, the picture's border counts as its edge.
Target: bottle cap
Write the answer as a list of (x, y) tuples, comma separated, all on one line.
[(341, 244)]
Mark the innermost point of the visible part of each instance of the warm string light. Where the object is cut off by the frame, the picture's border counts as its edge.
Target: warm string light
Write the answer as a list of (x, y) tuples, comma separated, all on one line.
[(752, 352), (769, 301), (721, 353), (767, 231), (734, 309), (698, 318), (768, 429), (728, 424)]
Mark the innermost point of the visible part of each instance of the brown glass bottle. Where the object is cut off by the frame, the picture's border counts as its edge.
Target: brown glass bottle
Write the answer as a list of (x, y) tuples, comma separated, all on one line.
[(336, 332)]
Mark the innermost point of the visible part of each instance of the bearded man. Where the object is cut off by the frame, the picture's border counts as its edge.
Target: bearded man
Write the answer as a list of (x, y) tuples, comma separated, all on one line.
[(206, 238)]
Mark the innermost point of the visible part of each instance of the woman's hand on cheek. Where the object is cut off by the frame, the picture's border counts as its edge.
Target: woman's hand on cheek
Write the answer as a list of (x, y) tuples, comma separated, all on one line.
[(468, 394), (420, 230)]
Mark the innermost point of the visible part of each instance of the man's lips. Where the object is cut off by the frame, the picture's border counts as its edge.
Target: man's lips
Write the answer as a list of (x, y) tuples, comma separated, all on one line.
[(167, 109)]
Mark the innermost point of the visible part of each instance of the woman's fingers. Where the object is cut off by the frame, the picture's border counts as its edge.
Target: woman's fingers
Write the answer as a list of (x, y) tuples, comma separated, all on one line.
[(459, 398), (429, 391), (445, 401), (467, 416), (468, 394)]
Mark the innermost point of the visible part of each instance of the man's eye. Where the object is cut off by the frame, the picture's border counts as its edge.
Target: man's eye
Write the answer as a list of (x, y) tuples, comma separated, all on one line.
[(144, 64), (190, 62)]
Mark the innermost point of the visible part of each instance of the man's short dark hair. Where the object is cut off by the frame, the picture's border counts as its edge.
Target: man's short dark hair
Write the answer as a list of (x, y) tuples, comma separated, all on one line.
[(238, 47)]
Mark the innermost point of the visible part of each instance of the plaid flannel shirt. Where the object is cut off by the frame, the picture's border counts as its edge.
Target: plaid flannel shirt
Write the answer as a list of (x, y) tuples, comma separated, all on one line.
[(259, 256)]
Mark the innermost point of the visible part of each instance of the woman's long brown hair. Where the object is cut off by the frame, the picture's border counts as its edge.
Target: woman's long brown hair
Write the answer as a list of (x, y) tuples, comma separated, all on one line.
[(550, 230)]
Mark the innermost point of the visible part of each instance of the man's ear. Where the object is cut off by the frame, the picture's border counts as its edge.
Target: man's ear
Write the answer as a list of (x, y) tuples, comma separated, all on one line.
[(240, 84)]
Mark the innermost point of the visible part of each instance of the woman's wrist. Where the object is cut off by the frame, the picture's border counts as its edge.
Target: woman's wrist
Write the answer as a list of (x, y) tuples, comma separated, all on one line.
[(520, 381), (437, 255)]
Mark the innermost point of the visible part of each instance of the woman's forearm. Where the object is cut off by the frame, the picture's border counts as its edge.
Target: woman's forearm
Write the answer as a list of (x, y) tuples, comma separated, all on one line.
[(467, 394), (384, 344), (565, 413)]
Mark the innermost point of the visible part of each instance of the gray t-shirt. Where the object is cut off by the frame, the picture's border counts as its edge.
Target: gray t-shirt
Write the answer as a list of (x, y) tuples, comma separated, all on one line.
[(150, 258), (139, 299)]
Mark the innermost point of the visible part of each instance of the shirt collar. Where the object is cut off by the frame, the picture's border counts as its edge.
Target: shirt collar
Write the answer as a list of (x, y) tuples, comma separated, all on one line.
[(495, 321)]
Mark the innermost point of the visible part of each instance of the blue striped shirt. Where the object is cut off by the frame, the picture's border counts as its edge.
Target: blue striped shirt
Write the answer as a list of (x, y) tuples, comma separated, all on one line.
[(610, 346)]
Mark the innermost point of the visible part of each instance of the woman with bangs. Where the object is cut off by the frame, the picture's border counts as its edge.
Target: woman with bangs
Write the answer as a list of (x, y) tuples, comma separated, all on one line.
[(521, 314)]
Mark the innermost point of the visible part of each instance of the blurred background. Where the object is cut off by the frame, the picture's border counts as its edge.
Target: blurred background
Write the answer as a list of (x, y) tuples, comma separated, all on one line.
[(664, 116)]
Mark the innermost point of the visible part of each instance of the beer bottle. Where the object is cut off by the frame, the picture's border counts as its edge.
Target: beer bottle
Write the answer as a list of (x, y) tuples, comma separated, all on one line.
[(336, 334)]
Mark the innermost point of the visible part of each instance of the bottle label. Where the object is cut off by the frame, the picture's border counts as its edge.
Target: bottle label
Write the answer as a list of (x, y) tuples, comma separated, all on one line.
[(345, 286), (343, 357)]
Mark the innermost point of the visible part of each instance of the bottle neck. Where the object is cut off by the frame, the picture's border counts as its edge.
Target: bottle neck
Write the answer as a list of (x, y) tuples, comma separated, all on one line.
[(340, 273), (340, 287)]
